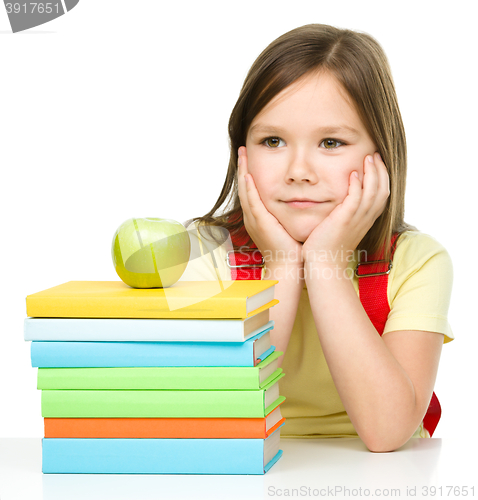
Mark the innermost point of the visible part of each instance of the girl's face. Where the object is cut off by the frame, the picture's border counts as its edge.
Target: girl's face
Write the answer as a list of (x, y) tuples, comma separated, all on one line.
[(305, 144)]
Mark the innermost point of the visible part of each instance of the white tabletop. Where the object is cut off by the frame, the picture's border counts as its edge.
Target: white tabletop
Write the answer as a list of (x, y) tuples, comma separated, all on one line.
[(309, 468)]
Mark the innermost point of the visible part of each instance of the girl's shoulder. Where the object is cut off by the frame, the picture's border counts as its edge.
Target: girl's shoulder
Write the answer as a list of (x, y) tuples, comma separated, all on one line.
[(422, 265), (415, 249)]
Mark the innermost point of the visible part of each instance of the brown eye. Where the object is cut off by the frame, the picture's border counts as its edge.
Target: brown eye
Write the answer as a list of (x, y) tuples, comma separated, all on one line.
[(272, 142), (330, 144)]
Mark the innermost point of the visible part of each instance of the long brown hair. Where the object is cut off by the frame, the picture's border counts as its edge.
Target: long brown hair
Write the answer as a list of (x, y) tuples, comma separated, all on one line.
[(359, 64)]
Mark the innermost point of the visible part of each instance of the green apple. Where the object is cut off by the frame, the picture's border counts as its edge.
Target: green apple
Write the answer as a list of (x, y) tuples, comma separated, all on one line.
[(150, 252)]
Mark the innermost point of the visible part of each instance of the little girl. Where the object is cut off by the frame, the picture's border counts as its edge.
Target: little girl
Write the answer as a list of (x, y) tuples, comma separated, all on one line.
[(317, 181)]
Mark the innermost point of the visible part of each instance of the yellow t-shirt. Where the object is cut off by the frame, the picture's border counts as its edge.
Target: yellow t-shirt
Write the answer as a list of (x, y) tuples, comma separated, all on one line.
[(419, 290)]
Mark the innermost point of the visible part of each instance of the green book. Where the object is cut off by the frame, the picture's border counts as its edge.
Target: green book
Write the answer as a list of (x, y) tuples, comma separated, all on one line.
[(158, 404), (162, 378)]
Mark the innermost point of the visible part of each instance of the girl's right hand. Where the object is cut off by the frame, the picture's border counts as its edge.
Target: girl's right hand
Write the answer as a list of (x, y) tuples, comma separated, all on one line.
[(270, 237)]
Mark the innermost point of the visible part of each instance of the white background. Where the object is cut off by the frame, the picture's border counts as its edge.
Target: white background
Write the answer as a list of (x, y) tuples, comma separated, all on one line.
[(119, 109)]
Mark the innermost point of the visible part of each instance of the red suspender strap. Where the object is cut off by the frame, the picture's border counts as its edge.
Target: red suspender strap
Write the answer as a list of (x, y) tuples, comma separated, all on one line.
[(373, 281), (245, 263), (374, 272)]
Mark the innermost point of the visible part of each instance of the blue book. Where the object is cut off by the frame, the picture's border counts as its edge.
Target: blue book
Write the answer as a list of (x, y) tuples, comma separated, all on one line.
[(149, 354), (160, 456)]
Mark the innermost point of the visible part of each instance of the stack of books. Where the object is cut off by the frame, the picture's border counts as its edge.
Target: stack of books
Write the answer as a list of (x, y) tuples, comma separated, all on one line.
[(131, 386)]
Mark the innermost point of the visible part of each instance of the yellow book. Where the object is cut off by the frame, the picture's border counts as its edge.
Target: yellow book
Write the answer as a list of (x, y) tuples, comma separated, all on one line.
[(238, 299)]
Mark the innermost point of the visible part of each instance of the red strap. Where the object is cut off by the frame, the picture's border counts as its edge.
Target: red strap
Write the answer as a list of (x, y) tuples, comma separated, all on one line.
[(432, 417), (244, 257), (373, 289), (372, 292)]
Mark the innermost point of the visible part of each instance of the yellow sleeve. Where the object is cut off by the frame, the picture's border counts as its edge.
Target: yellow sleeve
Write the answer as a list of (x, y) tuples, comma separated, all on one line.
[(420, 286)]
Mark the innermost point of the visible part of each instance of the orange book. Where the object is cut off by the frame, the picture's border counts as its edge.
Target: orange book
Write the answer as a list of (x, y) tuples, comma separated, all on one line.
[(150, 428)]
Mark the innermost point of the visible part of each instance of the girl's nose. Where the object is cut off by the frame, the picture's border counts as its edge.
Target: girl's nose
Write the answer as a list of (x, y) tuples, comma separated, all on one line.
[(302, 168)]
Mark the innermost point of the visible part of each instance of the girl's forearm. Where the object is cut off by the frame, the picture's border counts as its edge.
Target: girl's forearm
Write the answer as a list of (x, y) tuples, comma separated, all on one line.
[(375, 390), (287, 291)]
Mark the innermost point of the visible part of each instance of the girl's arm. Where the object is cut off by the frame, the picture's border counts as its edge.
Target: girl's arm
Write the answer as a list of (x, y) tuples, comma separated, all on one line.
[(287, 291), (385, 383)]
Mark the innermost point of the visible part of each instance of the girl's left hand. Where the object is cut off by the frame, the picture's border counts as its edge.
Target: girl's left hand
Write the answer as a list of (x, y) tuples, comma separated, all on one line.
[(349, 222)]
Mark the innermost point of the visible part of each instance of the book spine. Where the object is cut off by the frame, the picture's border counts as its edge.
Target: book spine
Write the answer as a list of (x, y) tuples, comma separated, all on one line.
[(153, 456), (137, 404), (140, 354), (138, 330), (199, 302), (153, 428), (160, 378)]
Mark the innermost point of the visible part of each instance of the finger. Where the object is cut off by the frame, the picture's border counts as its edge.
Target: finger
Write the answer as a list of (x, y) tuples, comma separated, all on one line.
[(240, 161), (371, 182), (347, 210), (242, 187), (255, 204), (383, 184), (354, 197)]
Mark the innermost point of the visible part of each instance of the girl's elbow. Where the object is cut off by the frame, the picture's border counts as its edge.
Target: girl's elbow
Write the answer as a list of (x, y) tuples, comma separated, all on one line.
[(380, 444), (385, 437), (381, 447)]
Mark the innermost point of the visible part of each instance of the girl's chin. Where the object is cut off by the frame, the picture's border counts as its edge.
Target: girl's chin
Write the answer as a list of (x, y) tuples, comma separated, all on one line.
[(298, 227), (299, 234)]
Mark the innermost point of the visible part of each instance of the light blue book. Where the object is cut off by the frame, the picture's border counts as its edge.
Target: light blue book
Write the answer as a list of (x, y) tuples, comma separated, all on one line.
[(160, 456), (145, 330), (149, 354)]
